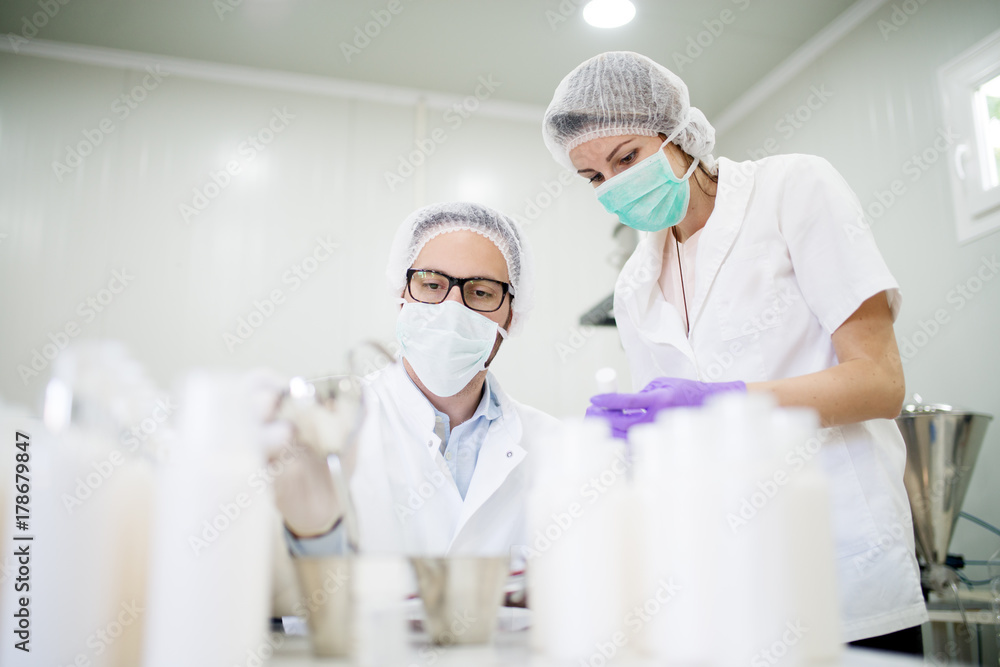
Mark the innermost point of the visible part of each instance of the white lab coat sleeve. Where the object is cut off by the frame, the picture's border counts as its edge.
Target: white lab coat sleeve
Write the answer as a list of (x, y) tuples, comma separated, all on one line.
[(333, 543), (833, 252)]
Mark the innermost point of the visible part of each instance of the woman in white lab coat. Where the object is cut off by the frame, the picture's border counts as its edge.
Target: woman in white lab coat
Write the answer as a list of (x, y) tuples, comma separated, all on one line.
[(753, 276), (440, 460)]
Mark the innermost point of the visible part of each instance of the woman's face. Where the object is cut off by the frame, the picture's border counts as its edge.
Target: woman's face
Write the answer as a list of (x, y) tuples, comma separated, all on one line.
[(601, 159)]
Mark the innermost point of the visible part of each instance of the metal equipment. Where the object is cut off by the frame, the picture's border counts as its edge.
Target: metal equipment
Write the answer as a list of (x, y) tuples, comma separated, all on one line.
[(942, 445)]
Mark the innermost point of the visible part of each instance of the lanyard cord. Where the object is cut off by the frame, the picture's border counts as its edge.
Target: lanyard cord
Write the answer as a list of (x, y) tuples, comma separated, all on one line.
[(680, 271)]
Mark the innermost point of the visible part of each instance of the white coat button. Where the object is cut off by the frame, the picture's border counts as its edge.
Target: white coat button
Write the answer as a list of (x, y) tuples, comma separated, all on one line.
[(430, 443), (510, 454), (448, 456)]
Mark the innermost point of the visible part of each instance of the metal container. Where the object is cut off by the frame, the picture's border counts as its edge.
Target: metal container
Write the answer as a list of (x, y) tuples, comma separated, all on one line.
[(461, 597), (326, 586), (942, 445)]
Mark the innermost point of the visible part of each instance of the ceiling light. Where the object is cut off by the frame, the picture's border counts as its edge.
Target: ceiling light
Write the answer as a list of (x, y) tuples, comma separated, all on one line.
[(608, 13)]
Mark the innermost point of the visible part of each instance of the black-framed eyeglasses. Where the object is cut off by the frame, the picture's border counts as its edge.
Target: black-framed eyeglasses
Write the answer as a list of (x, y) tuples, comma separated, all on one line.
[(480, 294)]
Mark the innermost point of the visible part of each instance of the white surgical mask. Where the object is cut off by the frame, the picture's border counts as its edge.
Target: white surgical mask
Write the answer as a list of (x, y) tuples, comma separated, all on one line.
[(445, 343)]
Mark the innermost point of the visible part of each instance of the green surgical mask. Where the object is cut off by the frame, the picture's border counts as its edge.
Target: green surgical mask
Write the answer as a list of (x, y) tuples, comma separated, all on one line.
[(648, 196)]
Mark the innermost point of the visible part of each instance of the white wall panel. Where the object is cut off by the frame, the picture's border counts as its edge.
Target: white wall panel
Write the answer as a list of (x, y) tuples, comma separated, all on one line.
[(323, 175)]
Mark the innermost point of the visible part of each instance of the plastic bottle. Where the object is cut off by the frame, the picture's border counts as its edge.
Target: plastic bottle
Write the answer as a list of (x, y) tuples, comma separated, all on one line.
[(674, 472), (809, 542), (210, 572), (89, 511), (578, 522)]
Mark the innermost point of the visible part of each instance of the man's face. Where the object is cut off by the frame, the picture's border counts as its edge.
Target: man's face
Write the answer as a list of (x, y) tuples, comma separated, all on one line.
[(466, 254)]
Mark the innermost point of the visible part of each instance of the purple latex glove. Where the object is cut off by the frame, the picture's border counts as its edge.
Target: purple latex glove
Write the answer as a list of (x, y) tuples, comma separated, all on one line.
[(626, 410), (620, 421)]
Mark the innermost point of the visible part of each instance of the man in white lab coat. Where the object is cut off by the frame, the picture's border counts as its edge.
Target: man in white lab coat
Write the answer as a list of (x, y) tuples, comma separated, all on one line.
[(440, 466)]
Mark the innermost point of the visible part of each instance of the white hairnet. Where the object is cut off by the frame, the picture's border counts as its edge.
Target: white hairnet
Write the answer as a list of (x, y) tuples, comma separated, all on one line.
[(620, 92), (425, 223)]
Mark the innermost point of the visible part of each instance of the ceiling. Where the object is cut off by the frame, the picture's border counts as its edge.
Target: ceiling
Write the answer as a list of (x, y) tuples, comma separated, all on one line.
[(445, 45)]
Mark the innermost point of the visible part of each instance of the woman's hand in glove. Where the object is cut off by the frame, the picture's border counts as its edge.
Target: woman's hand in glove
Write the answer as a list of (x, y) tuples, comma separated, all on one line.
[(626, 410)]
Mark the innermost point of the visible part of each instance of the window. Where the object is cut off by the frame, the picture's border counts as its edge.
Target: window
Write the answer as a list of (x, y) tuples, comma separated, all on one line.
[(971, 87), (987, 105)]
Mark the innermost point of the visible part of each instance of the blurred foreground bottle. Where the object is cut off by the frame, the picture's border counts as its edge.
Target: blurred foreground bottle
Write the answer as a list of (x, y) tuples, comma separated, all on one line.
[(719, 515), (209, 596), (580, 541), (90, 479), (739, 521)]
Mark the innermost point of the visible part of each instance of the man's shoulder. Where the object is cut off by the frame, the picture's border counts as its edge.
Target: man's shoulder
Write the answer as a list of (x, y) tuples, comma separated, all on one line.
[(536, 415), (534, 422), (525, 412)]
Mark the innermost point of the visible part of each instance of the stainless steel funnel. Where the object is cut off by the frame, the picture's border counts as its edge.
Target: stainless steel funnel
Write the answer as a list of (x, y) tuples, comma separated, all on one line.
[(942, 445)]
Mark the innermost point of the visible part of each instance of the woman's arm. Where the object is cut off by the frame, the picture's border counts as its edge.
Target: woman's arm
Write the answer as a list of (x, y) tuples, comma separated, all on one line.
[(867, 383)]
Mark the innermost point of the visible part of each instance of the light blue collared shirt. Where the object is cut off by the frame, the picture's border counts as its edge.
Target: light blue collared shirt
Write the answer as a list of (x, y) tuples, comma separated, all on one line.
[(463, 443)]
